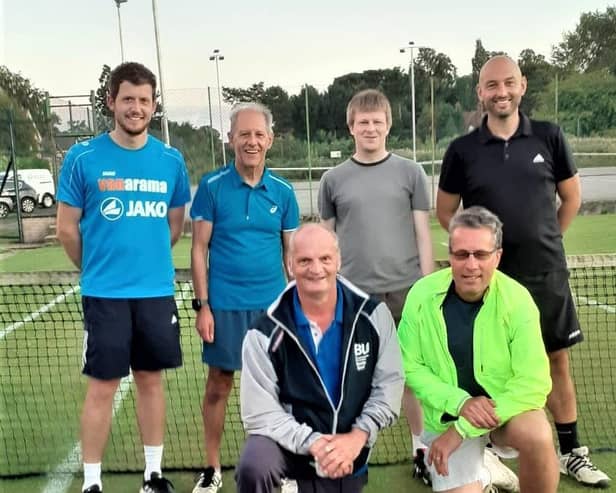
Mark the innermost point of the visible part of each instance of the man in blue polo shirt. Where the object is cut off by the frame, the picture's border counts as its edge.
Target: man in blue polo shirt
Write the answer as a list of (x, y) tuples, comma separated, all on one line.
[(243, 216)]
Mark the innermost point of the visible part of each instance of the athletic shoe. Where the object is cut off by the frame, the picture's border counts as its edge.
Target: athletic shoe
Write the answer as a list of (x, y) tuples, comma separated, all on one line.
[(93, 489), (157, 484), (210, 481), (420, 469), (578, 465), (490, 488), (288, 486), (501, 476)]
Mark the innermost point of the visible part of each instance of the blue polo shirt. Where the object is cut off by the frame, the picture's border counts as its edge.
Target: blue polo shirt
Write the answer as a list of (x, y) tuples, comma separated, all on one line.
[(328, 356), (245, 269), (125, 196)]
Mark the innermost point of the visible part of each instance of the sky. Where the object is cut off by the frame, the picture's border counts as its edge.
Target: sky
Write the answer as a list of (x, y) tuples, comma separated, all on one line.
[(62, 45)]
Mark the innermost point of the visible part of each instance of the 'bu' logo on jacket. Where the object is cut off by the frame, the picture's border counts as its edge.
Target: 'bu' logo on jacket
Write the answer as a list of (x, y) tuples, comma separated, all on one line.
[(362, 352)]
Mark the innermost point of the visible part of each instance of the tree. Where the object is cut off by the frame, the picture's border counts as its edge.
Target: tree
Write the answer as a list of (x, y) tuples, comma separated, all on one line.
[(104, 116), (591, 46), (587, 103), (539, 74)]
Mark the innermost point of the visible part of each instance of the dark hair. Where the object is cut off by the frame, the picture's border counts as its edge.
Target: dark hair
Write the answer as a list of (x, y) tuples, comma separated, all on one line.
[(132, 72)]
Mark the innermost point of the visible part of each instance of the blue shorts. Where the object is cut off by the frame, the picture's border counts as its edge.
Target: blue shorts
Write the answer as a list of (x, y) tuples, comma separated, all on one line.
[(138, 333), (230, 327)]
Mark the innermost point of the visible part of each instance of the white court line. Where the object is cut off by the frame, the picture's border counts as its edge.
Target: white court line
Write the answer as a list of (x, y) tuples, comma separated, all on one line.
[(62, 476), (34, 315), (591, 302)]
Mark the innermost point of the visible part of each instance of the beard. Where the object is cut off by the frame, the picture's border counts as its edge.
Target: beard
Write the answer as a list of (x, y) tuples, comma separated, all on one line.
[(133, 131)]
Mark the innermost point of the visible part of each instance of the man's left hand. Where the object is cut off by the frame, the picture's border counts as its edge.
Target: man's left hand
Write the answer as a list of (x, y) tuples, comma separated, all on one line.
[(442, 448), (336, 458)]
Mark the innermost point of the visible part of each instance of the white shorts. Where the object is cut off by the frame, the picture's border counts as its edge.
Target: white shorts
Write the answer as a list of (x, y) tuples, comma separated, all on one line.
[(465, 464)]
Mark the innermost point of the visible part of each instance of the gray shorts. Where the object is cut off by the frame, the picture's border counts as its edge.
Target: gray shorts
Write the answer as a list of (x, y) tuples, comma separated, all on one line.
[(395, 302), (230, 327), (465, 464)]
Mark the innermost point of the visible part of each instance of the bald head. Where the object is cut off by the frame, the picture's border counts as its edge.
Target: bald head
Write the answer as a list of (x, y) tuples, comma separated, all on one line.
[(499, 64), (500, 89), (314, 260)]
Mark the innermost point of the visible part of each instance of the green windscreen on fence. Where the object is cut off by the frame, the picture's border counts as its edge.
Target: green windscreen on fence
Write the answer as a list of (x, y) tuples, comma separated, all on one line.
[(42, 389)]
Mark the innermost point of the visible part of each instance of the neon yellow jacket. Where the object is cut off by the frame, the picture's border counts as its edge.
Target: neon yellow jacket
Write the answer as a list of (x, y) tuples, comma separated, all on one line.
[(509, 358)]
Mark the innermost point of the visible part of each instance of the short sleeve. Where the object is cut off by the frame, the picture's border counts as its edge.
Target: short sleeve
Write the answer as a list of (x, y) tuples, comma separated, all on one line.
[(71, 186), (420, 200), (564, 165), (202, 208), (181, 193), (452, 172), (290, 219), (327, 208)]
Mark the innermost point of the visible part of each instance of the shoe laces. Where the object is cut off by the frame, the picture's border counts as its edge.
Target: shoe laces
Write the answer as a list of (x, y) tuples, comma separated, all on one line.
[(579, 459)]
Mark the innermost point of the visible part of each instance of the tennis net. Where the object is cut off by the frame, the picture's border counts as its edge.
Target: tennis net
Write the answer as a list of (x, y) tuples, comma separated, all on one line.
[(42, 390)]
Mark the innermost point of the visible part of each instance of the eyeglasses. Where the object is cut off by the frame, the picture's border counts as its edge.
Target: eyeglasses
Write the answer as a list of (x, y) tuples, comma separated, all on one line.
[(465, 254)]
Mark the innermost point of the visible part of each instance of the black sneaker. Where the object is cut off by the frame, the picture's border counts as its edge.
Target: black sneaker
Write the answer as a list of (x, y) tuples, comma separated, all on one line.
[(93, 489), (420, 470), (157, 484)]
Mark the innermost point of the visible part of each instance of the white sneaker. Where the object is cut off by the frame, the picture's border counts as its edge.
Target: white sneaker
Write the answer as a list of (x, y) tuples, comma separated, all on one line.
[(501, 476), (210, 481), (288, 486), (578, 465)]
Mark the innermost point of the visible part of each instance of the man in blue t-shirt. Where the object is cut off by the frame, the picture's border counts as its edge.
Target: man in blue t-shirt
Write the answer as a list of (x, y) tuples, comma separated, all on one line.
[(243, 216), (121, 199)]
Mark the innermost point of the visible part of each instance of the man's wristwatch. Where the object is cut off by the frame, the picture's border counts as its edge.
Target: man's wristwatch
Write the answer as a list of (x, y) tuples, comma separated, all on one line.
[(198, 303)]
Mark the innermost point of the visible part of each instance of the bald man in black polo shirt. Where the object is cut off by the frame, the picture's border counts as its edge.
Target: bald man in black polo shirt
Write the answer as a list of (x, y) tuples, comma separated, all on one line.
[(515, 167)]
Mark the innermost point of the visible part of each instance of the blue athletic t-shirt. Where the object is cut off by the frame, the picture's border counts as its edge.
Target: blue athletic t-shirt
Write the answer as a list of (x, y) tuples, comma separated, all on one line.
[(245, 269), (125, 196)]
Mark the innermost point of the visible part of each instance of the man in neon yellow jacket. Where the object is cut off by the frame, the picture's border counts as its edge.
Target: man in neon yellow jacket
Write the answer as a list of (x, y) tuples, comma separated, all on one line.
[(472, 351)]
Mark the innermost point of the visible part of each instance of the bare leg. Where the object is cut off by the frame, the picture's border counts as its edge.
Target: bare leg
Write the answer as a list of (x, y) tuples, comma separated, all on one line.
[(150, 406), (561, 401), (96, 418), (530, 433), (217, 389)]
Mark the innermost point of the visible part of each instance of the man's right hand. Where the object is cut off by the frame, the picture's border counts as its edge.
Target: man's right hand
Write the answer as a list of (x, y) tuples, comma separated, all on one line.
[(479, 411), (204, 323)]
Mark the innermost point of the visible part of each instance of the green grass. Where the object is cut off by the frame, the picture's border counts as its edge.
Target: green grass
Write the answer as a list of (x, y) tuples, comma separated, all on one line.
[(41, 390), (587, 235)]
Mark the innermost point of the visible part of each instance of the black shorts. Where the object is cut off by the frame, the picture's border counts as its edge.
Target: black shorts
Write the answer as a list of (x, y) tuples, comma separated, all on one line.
[(559, 322), (137, 333)]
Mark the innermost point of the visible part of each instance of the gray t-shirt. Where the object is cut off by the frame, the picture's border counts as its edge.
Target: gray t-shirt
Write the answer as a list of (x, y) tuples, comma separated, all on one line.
[(372, 205)]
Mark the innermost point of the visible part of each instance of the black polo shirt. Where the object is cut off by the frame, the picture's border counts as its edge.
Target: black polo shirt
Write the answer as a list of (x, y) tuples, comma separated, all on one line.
[(516, 179)]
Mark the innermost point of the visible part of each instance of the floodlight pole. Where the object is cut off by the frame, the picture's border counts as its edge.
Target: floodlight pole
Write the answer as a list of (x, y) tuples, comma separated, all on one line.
[(216, 57), (164, 123), (118, 3), (410, 47)]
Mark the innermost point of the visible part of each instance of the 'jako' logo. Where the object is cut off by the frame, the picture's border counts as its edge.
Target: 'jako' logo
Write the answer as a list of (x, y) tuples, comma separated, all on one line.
[(112, 208)]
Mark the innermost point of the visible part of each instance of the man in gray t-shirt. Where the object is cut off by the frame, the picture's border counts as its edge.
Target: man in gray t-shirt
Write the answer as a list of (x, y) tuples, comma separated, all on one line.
[(377, 203)]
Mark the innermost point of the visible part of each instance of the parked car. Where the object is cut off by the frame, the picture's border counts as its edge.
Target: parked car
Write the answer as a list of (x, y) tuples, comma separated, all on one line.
[(28, 197), (6, 206), (39, 179)]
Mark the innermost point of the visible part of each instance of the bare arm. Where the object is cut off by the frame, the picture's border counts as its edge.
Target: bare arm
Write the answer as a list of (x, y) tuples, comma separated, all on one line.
[(446, 206), (424, 241), (570, 194), (286, 241), (201, 234), (175, 217), (67, 230)]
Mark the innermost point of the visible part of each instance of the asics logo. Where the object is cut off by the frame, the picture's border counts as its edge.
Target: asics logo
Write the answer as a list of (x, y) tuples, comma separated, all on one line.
[(112, 208)]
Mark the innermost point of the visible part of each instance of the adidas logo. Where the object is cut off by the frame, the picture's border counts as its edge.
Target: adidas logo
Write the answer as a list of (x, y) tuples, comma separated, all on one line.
[(538, 159)]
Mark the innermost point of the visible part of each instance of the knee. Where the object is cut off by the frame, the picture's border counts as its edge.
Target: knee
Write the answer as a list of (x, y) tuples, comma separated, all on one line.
[(102, 391), (260, 463), (534, 436), (218, 387)]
